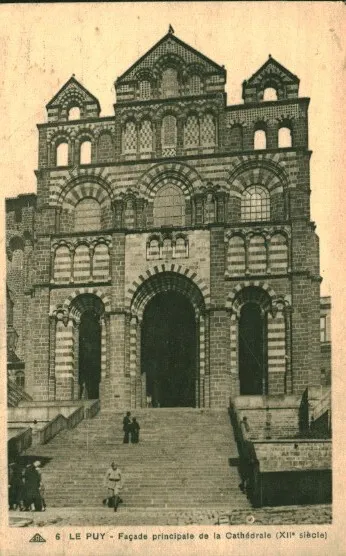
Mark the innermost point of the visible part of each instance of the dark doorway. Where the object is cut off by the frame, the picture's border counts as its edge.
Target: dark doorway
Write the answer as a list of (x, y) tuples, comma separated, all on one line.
[(169, 350), (89, 356), (252, 350)]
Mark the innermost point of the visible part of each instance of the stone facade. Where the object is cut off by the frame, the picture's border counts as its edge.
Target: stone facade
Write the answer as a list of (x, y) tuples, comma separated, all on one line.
[(176, 192)]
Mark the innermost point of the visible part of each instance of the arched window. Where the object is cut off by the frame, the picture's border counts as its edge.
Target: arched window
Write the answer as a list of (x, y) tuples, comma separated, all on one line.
[(17, 259), (62, 264), (236, 138), (169, 135), (170, 86), (169, 207), (81, 266), (62, 154), (252, 350), (101, 262), (130, 214), (9, 308), (209, 209), (105, 148), (167, 248), (85, 152), (255, 204), (191, 132), (181, 248), (257, 255), (153, 249), (74, 113), (270, 93), (87, 215), (285, 137), (146, 137), (195, 86), (236, 256), (144, 89), (260, 139), (208, 131), (130, 138), (20, 379)]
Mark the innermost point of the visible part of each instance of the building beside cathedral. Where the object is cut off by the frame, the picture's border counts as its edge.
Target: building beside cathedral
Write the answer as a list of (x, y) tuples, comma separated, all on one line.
[(169, 255)]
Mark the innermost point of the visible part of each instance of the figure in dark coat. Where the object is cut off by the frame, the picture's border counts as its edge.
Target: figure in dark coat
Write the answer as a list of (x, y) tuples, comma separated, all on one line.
[(32, 496), (135, 431), (16, 486), (127, 427)]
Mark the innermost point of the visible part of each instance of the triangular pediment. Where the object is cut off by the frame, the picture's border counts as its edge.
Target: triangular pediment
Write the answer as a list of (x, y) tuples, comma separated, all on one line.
[(272, 68), (72, 88), (171, 47)]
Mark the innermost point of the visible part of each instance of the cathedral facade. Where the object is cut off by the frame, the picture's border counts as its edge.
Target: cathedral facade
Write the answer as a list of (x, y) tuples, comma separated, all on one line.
[(168, 258)]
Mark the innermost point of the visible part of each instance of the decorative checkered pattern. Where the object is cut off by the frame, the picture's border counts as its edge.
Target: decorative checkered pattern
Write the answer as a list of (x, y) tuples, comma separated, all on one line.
[(191, 132), (144, 89), (130, 138), (146, 137), (208, 131)]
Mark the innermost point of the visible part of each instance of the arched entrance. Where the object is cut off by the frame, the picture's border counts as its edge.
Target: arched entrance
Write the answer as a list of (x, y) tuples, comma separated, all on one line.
[(89, 372), (252, 350), (169, 350)]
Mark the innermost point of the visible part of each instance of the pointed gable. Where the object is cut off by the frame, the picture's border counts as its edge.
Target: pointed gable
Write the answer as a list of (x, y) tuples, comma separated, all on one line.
[(271, 75), (169, 52), (72, 95)]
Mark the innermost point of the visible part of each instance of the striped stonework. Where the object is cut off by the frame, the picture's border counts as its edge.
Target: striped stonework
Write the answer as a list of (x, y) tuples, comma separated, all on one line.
[(278, 254), (101, 262), (82, 264), (161, 174), (257, 255), (276, 353), (62, 264), (165, 277), (236, 262), (64, 360)]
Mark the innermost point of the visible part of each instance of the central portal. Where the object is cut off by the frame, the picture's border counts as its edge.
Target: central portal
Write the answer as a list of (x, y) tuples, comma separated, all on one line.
[(169, 350)]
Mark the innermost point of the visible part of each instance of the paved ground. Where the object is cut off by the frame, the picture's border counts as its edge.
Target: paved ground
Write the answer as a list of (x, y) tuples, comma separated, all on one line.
[(59, 517)]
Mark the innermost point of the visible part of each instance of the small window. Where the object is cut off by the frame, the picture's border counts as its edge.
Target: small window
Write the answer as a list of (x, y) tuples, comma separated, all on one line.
[(285, 137), (87, 215), (62, 154), (270, 94), (20, 379), (74, 113), (85, 152), (144, 90), (169, 207), (323, 329), (170, 83), (195, 85), (260, 139), (255, 205)]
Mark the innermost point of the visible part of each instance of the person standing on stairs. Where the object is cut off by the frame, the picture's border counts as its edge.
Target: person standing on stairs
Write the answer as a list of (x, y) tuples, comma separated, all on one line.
[(135, 431), (127, 427), (113, 483)]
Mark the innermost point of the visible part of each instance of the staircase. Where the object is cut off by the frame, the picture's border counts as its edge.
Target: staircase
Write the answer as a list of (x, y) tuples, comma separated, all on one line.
[(182, 460)]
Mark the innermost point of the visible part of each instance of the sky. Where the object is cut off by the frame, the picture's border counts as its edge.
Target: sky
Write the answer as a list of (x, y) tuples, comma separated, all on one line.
[(43, 45)]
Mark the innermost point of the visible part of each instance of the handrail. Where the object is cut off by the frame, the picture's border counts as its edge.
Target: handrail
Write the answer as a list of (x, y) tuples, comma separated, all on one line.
[(52, 429), (92, 409), (76, 417)]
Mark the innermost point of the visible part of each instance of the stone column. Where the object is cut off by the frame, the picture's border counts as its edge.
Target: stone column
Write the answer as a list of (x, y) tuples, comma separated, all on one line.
[(288, 357), (52, 343)]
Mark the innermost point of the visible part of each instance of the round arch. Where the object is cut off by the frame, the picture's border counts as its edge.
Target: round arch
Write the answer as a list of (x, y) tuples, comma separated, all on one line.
[(159, 174)]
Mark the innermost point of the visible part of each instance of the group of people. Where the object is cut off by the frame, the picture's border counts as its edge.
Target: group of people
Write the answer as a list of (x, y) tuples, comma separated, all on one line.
[(113, 478), (131, 429), (26, 488)]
